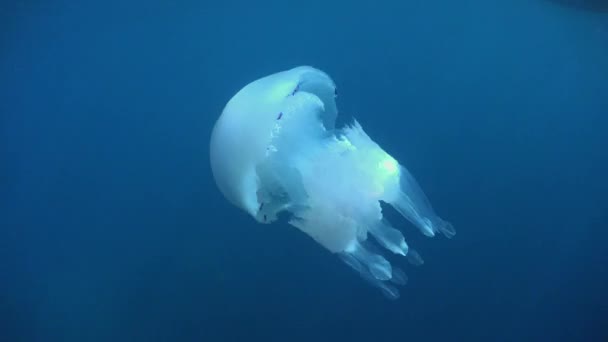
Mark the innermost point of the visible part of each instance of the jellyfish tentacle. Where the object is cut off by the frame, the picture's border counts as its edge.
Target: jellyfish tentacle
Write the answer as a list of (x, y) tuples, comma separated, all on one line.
[(389, 237), (414, 258), (378, 266), (412, 203), (389, 291)]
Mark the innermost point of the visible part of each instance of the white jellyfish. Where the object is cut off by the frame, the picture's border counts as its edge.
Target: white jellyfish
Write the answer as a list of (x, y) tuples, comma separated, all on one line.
[(275, 149)]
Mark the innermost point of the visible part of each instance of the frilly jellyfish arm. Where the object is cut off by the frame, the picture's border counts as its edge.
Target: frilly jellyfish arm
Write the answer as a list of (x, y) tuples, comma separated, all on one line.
[(275, 149)]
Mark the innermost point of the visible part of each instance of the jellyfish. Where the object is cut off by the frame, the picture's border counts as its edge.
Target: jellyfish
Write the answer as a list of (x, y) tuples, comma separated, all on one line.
[(276, 152)]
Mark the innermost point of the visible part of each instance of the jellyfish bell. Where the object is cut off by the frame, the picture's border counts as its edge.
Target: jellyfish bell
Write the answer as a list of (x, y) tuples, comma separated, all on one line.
[(243, 136), (275, 149)]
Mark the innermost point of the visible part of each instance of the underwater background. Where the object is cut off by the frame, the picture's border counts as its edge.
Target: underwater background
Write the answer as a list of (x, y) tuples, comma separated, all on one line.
[(112, 228)]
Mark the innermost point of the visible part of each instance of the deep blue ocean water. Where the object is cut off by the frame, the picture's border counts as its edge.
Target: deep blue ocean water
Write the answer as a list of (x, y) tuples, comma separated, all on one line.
[(112, 229)]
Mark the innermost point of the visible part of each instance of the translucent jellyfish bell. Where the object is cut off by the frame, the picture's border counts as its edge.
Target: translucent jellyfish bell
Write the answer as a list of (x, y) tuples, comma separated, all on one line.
[(275, 149)]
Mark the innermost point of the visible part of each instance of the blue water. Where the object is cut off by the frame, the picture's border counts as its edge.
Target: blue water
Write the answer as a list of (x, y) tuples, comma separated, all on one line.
[(112, 229)]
